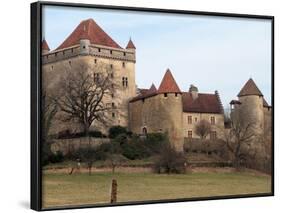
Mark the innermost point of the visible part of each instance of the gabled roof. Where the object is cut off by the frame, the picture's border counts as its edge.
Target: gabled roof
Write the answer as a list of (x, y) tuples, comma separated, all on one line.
[(130, 45), (89, 29), (44, 45), (168, 84), (250, 88), (204, 103)]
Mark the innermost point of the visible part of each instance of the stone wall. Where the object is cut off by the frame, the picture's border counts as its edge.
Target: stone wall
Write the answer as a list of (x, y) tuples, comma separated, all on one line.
[(69, 145), (218, 127), (158, 114)]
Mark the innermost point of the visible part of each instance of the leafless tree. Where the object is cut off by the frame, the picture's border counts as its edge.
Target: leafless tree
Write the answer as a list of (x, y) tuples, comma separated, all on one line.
[(82, 93), (239, 137), (203, 128)]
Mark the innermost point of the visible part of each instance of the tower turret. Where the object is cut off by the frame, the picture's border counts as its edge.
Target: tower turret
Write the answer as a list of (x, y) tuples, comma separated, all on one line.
[(84, 42), (45, 47), (170, 110), (130, 45), (251, 106)]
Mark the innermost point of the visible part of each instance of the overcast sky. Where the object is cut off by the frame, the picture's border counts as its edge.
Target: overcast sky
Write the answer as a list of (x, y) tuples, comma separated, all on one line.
[(213, 53)]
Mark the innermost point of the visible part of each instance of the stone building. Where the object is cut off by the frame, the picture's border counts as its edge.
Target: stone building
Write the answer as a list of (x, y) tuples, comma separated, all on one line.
[(90, 46), (166, 109)]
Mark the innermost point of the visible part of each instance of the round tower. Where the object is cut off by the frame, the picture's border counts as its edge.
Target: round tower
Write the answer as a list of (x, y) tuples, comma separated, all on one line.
[(251, 107), (170, 110)]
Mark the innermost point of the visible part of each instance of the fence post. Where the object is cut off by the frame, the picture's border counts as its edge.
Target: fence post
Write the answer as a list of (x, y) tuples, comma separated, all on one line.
[(113, 191)]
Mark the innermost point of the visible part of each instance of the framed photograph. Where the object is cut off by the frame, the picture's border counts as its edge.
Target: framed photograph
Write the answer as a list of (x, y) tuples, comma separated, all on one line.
[(144, 105)]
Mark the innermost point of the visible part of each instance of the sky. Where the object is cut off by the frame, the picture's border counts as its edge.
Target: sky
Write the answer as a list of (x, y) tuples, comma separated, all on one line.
[(212, 53)]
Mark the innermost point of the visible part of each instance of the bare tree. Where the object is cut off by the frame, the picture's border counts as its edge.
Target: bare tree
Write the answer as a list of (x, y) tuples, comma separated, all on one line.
[(82, 94), (203, 128), (239, 137)]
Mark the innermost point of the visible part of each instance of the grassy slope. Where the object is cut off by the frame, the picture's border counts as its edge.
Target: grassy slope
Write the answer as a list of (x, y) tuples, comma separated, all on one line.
[(63, 189)]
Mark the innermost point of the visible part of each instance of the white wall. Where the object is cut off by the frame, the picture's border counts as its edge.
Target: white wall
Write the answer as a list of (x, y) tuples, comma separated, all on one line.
[(15, 105)]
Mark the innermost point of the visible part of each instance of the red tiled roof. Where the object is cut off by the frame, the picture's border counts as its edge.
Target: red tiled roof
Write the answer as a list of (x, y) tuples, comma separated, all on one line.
[(168, 84), (45, 45), (204, 103), (89, 29), (250, 88), (130, 45)]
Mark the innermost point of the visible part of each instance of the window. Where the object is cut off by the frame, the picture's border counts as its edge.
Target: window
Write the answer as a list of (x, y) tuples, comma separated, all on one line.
[(72, 50), (213, 135), (144, 130), (124, 81), (99, 49), (189, 119), (143, 100), (112, 95), (176, 94), (213, 121), (111, 75), (123, 65), (95, 60), (110, 51), (124, 54), (113, 105), (195, 119), (111, 66), (165, 95), (113, 115), (96, 77), (69, 63), (52, 67), (189, 134)]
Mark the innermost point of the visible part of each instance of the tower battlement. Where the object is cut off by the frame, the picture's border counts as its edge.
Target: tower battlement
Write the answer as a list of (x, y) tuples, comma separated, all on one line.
[(94, 50)]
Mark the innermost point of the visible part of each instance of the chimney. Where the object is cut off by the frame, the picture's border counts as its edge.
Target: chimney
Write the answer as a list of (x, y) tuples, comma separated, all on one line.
[(194, 91)]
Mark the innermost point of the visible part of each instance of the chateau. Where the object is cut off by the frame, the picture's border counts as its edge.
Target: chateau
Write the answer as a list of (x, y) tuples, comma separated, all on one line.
[(163, 109)]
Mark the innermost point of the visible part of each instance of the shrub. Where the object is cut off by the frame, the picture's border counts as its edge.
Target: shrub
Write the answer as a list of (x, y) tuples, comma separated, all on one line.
[(56, 157), (67, 134), (170, 161), (114, 131)]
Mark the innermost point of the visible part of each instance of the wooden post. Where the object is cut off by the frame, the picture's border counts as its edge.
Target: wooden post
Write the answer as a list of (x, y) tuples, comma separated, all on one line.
[(113, 191)]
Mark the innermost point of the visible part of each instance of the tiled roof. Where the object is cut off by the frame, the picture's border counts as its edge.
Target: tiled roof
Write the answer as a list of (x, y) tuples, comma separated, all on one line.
[(45, 45), (89, 29), (250, 88), (265, 104), (168, 84), (145, 93), (204, 103), (130, 45)]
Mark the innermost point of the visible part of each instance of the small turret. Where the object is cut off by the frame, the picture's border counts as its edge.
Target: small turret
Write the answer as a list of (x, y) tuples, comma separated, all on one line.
[(131, 45), (45, 47)]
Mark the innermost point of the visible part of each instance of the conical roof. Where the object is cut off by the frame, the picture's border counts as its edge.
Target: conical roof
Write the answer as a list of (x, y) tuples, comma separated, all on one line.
[(130, 45), (152, 89), (89, 29), (45, 45), (250, 88), (168, 84)]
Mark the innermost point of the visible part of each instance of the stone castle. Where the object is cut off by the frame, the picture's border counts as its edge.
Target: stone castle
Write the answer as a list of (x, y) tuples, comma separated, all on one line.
[(166, 109)]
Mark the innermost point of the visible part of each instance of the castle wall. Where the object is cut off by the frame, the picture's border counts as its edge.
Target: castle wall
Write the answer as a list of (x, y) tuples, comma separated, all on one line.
[(159, 114), (218, 127), (56, 64)]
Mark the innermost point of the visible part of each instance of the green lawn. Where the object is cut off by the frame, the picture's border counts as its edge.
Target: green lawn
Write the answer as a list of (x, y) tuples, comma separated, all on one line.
[(63, 189)]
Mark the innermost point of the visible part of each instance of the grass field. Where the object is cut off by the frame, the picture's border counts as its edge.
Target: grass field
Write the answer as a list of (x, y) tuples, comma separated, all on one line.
[(62, 189)]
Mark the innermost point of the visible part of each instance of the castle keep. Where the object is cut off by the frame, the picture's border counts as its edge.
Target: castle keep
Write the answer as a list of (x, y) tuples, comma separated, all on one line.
[(167, 109)]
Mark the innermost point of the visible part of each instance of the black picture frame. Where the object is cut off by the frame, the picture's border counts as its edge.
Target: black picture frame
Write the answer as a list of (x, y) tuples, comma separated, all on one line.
[(36, 82)]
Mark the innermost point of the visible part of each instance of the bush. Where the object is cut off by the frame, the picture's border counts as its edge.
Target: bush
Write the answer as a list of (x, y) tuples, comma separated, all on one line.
[(114, 131), (170, 161), (66, 134), (56, 157), (135, 150)]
